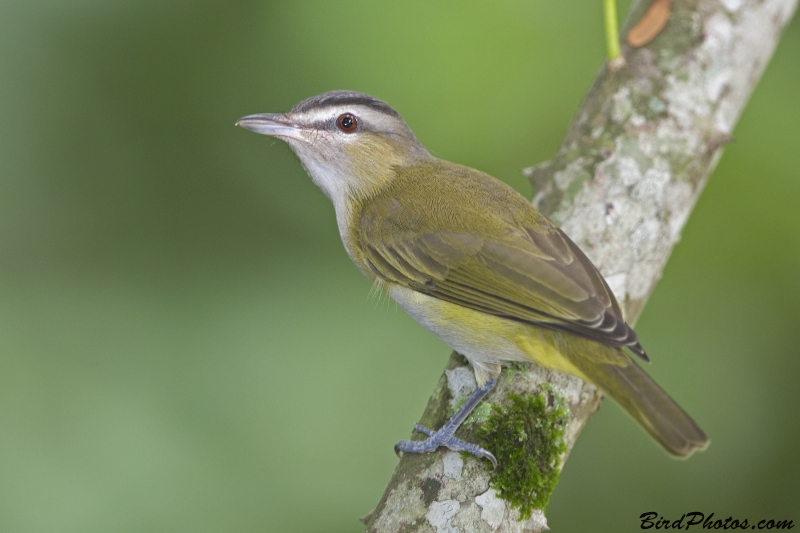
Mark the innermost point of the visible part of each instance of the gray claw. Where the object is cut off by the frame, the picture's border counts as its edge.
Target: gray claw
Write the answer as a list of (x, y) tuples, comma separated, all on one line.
[(437, 439), (458, 445)]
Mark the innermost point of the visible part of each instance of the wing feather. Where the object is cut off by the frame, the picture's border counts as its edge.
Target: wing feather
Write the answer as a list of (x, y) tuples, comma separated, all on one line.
[(519, 265)]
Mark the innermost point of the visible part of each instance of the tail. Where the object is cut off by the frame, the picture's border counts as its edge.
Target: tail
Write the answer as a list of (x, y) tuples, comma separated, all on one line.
[(650, 406)]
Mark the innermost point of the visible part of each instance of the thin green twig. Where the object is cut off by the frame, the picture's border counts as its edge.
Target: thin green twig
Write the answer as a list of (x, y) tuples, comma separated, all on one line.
[(612, 32)]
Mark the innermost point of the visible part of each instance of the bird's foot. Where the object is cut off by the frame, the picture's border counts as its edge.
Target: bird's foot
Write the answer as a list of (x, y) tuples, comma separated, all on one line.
[(443, 437)]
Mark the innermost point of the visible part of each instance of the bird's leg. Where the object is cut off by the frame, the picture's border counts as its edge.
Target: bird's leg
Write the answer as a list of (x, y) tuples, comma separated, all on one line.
[(444, 437)]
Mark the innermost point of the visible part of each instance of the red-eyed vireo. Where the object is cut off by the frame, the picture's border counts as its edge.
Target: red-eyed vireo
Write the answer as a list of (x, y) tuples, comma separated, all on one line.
[(471, 260)]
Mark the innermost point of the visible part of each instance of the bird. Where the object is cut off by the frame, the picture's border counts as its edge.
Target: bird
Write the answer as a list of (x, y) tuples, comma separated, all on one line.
[(472, 261)]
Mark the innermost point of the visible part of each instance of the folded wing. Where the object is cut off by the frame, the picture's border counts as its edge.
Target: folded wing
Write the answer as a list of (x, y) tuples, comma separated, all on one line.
[(526, 272)]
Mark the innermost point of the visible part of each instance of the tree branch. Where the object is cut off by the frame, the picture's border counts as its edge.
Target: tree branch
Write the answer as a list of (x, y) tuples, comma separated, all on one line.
[(632, 166)]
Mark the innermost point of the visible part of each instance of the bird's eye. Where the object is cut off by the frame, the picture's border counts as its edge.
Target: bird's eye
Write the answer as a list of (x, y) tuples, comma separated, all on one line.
[(347, 123)]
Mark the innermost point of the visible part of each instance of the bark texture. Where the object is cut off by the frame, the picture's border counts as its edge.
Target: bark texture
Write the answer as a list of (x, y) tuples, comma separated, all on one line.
[(632, 166)]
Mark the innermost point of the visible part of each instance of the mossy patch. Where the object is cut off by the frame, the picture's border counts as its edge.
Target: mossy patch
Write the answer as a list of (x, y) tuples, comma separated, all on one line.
[(527, 437), (513, 369), (480, 415)]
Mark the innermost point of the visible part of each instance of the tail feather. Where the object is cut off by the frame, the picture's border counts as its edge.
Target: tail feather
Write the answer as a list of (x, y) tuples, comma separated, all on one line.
[(639, 395)]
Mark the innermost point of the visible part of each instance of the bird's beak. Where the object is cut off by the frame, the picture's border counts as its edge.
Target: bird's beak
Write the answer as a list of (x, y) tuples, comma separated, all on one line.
[(272, 125)]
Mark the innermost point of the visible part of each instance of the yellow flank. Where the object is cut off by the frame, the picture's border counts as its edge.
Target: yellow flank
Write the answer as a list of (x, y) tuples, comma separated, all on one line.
[(541, 346), (489, 340)]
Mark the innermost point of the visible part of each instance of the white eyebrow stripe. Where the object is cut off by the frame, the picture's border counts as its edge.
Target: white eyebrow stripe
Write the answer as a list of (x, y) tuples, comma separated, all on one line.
[(374, 119)]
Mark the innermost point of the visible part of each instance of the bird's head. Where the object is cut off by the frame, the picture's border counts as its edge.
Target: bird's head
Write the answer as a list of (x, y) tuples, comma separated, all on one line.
[(349, 143)]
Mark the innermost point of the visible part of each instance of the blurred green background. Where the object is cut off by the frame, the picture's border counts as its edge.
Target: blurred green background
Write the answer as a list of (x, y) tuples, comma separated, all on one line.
[(184, 344)]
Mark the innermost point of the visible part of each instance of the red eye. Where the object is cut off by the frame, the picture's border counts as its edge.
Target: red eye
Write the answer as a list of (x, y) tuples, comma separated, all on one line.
[(347, 123)]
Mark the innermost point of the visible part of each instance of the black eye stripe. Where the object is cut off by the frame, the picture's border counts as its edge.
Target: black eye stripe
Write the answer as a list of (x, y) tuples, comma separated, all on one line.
[(347, 123)]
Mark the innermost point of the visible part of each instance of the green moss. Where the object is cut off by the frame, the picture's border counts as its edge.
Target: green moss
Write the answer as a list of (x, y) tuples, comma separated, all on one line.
[(527, 437), (480, 415), (516, 368)]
